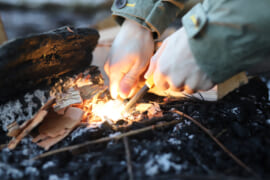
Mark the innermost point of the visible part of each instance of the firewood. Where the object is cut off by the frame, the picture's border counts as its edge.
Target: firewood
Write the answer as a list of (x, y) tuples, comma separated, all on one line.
[(89, 91), (56, 127), (13, 129), (49, 142), (64, 100), (28, 126), (33, 61), (54, 124), (39, 117)]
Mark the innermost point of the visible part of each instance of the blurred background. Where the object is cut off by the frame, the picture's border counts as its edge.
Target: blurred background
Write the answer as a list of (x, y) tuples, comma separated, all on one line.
[(22, 17)]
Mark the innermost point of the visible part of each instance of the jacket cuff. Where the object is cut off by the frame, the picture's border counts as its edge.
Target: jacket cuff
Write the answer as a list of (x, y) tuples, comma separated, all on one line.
[(136, 10), (161, 16), (154, 15)]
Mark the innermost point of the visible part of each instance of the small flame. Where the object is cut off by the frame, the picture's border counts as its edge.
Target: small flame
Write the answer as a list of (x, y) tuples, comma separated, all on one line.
[(111, 110), (98, 108)]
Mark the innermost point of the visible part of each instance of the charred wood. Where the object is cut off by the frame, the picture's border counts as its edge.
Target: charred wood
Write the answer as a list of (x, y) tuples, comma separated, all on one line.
[(35, 60)]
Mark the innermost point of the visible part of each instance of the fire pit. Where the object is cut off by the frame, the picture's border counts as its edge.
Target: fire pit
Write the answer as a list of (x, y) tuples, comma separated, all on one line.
[(152, 142)]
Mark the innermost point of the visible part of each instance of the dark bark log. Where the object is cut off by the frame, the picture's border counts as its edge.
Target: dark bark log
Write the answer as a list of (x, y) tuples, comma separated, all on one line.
[(30, 62)]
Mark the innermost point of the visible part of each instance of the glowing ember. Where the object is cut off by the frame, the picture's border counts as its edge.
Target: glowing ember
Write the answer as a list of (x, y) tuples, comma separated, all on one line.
[(96, 103), (111, 110)]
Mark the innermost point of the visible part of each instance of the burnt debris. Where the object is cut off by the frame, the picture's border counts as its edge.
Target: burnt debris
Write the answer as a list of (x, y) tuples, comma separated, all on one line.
[(240, 121)]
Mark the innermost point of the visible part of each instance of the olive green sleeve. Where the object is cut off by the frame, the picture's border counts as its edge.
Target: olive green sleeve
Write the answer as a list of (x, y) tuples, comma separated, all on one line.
[(228, 36), (155, 15)]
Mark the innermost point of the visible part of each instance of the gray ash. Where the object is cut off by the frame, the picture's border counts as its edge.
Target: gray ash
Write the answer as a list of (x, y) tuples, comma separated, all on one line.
[(22, 109)]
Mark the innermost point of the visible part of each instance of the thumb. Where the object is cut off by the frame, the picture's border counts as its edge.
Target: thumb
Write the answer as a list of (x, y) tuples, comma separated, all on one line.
[(153, 62), (129, 82), (106, 67), (115, 78)]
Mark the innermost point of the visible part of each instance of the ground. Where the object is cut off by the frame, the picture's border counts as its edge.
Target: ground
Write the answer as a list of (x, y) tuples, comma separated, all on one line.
[(241, 121)]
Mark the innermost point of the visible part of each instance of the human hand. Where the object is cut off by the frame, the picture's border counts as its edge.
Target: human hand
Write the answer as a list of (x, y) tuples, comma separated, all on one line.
[(174, 68), (128, 59)]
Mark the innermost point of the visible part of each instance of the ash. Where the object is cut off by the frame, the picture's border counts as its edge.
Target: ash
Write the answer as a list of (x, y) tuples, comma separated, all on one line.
[(23, 109), (241, 121), (162, 163)]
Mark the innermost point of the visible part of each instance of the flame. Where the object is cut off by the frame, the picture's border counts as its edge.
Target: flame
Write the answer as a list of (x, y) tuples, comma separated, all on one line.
[(99, 108), (98, 111), (111, 110)]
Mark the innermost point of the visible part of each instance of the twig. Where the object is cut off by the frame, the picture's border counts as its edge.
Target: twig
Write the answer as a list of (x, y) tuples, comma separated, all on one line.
[(128, 158), (221, 133), (207, 131), (105, 139)]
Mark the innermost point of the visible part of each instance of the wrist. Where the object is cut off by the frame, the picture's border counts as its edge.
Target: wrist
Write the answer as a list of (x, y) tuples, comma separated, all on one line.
[(131, 26)]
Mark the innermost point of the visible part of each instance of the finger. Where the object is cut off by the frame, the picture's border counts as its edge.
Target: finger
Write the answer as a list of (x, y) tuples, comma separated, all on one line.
[(107, 62), (160, 81), (151, 68), (176, 83), (194, 82), (130, 80), (154, 60), (106, 67), (206, 85), (162, 85), (127, 84), (188, 90), (115, 78), (200, 82)]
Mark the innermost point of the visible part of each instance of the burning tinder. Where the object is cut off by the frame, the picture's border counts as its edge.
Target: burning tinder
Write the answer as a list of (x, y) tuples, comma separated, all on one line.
[(110, 111), (82, 99)]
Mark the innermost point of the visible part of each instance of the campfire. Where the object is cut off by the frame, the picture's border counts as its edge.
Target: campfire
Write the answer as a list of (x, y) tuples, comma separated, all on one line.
[(80, 100), (83, 101), (82, 126)]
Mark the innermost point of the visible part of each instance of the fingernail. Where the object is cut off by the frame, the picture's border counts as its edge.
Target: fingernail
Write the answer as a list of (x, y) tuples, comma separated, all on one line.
[(125, 91)]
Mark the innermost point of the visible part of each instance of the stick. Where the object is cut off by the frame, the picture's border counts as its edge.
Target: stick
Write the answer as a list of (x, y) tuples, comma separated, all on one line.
[(128, 158), (227, 151), (105, 139)]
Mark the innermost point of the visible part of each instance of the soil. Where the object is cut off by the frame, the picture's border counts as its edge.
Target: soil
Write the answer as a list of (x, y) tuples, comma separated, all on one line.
[(241, 121)]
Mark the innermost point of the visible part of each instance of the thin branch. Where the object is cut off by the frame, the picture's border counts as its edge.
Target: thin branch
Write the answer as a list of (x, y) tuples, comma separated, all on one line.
[(105, 139), (221, 133), (128, 158), (207, 131)]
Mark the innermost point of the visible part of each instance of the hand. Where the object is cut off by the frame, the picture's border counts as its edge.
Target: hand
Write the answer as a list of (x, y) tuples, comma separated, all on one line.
[(128, 59), (175, 68)]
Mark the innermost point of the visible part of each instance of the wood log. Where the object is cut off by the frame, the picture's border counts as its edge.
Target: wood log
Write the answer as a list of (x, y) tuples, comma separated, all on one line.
[(29, 62)]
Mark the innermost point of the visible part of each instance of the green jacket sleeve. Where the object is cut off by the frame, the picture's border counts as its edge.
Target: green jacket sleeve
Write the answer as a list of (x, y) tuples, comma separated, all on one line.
[(228, 36), (155, 15)]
